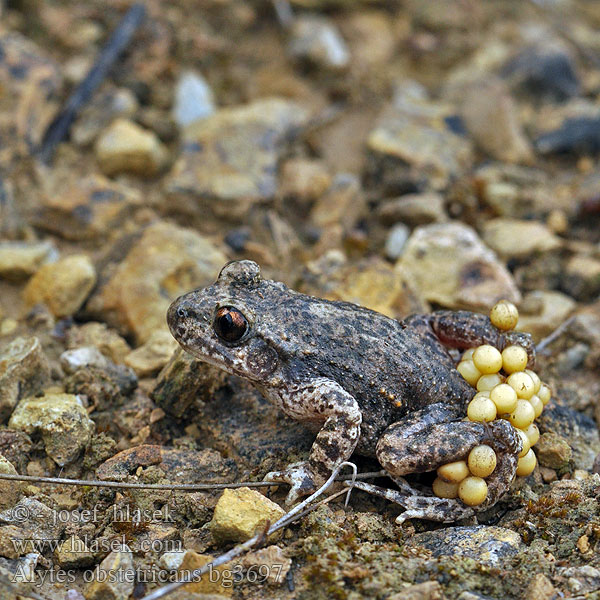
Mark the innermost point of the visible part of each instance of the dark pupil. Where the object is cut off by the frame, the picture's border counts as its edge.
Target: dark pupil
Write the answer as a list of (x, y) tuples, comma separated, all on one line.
[(230, 324)]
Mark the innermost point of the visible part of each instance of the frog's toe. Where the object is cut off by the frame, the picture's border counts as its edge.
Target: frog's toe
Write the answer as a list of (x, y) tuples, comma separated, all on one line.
[(300, 479)]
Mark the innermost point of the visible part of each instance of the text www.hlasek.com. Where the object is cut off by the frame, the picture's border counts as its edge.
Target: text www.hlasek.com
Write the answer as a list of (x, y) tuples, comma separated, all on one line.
[(224, 577), (94, 545)]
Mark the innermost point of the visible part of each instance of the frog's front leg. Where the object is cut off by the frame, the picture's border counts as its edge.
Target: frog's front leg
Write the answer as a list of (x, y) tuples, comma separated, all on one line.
[(462, 329), (319, 401)]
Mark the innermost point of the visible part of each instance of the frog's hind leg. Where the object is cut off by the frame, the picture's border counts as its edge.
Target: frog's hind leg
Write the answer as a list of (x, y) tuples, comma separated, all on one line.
[(418, 506), (427, 439), (462, 329)]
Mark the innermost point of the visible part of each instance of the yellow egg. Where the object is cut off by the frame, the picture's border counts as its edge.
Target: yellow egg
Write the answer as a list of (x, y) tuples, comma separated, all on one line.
[(481, 409), (523, 415), (453, 472), (522, 384), (482, 461), (472, 490), (488, 382), (537, 404), (525, 465), (544, 394), (504, 315), (469, 371), (537, 382), (533, 433), (526, 443), (514, 358), (444, 489), (504, 397), (487, 359), (468, 354)]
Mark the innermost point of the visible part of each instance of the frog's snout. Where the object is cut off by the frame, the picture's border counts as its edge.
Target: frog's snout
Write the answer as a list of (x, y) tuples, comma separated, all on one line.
[(179, 314)]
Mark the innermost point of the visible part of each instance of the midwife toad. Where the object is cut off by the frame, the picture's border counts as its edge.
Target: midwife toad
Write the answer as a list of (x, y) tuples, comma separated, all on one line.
[(365, 382)]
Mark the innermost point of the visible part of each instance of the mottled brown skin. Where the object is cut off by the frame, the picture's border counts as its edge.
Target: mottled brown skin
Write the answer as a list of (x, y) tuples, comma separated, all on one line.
[(365, 382)]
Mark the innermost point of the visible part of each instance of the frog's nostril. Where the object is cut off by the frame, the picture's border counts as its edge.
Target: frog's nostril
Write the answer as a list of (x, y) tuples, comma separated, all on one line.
[(182, 313)]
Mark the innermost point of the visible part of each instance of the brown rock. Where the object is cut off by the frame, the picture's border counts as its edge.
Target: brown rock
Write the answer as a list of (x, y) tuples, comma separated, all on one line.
[(540, 588), (343, 203), (125, 147), (62, 421), (153, 355), (304, 179), (114, 577), (19, 260), (242, 513), (491, 117), (273, 557), (230, 159), (553, 451), (582, 277), (217, 582), (512, 238), (428, 590), (98, 335), (10, 491), (62, 286), (30, 82), (24, 371), (164, 263), (413, 209), (449, 264), (541, 312), (87, 208)]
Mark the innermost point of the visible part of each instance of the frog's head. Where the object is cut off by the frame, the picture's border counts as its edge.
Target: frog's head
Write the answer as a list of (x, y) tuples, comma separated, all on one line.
[(218, 325)]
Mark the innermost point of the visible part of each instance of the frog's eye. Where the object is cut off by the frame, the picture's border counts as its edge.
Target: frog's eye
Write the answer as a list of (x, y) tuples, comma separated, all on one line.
[(230, 324)]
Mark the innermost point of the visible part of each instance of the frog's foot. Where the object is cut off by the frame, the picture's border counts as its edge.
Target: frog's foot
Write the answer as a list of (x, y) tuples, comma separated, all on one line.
[(300, 478), (419, 507)]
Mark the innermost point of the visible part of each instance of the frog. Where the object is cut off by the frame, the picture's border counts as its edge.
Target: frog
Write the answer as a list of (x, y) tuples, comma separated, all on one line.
[(364, 382)]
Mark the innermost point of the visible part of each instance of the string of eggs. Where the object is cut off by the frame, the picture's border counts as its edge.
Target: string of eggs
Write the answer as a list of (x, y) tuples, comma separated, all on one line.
[(506, 389)]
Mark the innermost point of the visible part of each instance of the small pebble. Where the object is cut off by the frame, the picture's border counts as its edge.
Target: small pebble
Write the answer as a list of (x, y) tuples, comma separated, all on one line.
[(396, 240)]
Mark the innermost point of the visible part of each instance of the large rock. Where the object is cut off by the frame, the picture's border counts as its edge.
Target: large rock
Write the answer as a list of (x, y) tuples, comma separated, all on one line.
[(543, 311), (491, 118), (19, 260), (10, 491), (490, 546), (87, 208), (24, 371), (125, 147), (411, 144), (114, 577), (513, 238), (62, 421), (450, 266), (230, 159), (62, 286), (30, 82), (165, 262)]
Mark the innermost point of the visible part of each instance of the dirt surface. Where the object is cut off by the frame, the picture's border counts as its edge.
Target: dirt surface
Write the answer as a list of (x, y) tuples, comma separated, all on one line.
[(405, 156)]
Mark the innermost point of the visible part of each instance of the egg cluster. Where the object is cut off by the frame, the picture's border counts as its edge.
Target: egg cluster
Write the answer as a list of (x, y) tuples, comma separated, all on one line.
[(506, 389)]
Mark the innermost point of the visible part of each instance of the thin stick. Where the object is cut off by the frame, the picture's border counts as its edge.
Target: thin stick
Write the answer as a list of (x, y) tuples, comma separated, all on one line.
[(240, 549), (541, 347), (190, 487), (118, 41)]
